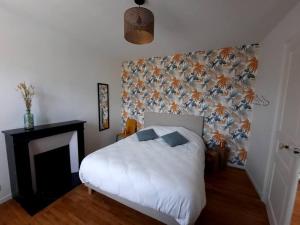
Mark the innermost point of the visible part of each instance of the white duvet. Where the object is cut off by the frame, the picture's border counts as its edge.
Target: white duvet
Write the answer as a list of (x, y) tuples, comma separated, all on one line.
[(152, 174)]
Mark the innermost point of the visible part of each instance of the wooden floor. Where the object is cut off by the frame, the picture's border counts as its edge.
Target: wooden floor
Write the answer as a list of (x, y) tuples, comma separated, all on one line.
[(296, 215), (232, 200), (230, 195)]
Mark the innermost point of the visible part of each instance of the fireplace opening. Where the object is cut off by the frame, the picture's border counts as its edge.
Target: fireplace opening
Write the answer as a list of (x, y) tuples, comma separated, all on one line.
[(53, 177), (53, 172)]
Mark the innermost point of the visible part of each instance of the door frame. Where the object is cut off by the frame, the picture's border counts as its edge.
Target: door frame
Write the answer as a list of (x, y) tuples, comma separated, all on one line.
[(288, 47)]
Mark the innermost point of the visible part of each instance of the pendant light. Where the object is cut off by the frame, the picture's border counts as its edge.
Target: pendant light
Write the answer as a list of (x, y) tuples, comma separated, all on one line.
[(139, 24)]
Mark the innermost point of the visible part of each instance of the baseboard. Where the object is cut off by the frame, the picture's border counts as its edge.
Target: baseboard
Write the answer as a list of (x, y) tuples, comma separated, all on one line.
[(236, 166), (255, 185), (271, 216), (5, 198)]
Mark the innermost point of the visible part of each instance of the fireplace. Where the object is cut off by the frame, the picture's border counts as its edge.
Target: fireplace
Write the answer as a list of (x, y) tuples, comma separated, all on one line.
[(44, 162)]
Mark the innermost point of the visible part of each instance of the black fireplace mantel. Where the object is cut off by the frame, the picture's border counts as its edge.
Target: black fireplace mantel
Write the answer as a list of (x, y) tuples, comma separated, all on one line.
[(17, 141)]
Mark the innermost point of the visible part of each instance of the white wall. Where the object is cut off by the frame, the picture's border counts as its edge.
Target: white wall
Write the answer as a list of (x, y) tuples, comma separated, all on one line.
[(65, 74), (268, 84)]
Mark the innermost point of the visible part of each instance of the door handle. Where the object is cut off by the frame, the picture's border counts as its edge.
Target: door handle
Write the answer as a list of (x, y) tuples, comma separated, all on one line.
[(284, 146), (295, 150)]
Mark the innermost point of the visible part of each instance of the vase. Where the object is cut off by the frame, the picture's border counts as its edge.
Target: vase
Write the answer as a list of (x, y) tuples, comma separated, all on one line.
[(28, 120)]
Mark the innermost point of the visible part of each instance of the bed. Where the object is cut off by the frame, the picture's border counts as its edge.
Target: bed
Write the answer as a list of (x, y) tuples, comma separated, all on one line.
[(166, 183)]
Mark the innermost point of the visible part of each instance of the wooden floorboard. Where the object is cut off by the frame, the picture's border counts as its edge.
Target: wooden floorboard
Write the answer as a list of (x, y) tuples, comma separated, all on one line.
[(231, 200), (296, 214)]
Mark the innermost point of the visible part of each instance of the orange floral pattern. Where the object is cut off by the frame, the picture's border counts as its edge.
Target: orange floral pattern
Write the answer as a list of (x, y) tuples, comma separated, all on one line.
[(250, 95), (246, 126), (253, 64), (223, 81), (216, 84), (218, 137), (225, 52), (177, 57), (243, 154), (220, 109), (199, 68), (156, 71), (174, 107), (196, 95)]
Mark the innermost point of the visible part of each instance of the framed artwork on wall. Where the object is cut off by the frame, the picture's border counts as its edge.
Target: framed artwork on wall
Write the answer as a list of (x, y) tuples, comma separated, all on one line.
[(103, 106)]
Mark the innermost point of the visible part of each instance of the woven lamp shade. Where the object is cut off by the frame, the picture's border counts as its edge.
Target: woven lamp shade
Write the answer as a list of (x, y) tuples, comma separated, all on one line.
[(139, 25)]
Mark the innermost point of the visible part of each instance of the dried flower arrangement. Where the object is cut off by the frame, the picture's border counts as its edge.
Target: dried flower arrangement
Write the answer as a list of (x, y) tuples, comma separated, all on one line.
[(27, 92)]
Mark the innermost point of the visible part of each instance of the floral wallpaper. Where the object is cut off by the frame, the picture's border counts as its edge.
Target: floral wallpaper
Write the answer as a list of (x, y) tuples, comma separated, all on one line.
[(216, 84)]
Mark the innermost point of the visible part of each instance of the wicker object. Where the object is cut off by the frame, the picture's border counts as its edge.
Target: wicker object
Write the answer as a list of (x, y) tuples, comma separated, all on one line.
[(139, 25)]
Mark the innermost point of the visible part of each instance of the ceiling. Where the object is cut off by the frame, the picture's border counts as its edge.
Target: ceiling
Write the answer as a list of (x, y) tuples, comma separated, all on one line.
[(180, 25)]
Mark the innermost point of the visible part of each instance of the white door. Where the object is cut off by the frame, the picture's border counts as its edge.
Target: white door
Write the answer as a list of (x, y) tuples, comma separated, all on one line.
[(285, 168)]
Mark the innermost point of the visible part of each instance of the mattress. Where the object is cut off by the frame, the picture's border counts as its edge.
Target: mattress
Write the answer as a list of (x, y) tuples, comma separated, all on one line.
[(152, 174)]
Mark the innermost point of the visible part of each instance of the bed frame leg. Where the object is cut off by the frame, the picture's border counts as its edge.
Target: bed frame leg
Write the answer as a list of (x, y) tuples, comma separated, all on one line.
[(90, 191)]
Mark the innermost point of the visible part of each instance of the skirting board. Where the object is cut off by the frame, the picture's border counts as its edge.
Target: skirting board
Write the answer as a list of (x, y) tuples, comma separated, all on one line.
[(251, 179), (255, 186), (236, 166), (271, 216), (5, 198)]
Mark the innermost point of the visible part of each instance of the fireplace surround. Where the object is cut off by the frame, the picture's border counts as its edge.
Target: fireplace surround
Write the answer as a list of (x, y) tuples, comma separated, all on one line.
[(44, 162)]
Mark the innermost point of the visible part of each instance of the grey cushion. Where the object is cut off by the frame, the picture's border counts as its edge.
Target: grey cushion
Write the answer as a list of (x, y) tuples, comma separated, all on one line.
[(175, 138), (146, 135)]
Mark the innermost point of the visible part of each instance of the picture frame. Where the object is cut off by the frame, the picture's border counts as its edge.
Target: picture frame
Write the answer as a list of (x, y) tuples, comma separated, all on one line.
[(103, 106)]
